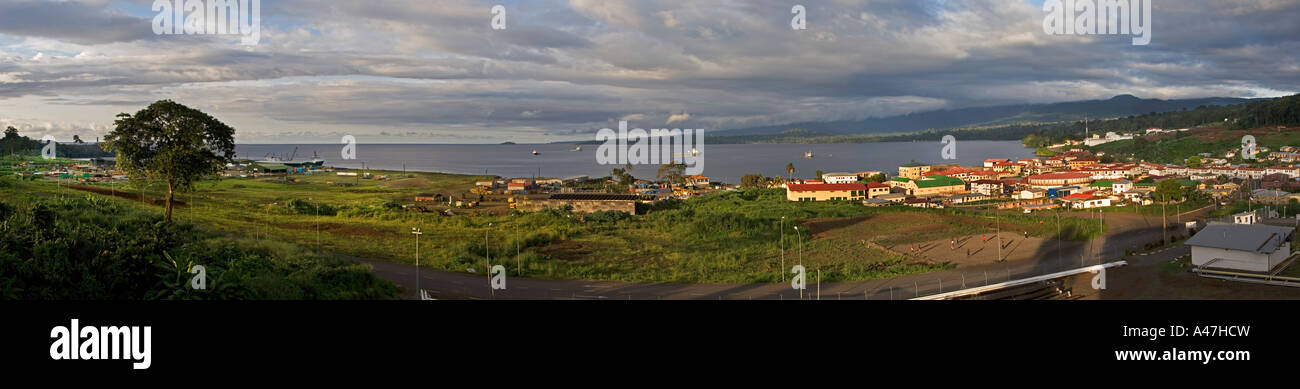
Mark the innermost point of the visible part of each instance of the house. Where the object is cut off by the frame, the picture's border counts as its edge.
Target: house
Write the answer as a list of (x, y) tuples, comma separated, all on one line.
[(960, 173), (1244, 218), (876, 189), (1241, 247), (987, 187), (913, 171), (966, 198), (840, 178), (936, 186), (1032, 194), (697, 181), (994, 161), (1121, 186), (1081, 162), (825, 192), (1270, 196), (518, 187), (1086, 201), (896, 198)]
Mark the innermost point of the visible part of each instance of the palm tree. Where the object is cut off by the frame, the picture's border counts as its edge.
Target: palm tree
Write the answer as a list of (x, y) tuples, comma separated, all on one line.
[(789, 169)]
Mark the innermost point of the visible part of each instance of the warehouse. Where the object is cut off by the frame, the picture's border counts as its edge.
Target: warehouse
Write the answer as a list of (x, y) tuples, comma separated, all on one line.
[(1242, 247)]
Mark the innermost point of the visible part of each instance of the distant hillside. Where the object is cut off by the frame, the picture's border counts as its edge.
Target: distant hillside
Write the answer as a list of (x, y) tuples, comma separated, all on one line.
[(1119, 106)]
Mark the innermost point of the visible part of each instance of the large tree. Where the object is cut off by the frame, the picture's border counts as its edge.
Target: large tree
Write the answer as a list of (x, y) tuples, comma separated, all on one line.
[(671, 172), (172, 143), (1168, 190)]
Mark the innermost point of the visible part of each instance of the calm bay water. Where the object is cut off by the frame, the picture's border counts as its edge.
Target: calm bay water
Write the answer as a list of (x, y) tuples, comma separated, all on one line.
[(726, 163)]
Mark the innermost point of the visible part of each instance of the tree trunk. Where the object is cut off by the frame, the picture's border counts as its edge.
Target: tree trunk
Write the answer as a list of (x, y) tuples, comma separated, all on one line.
[(167, 215)]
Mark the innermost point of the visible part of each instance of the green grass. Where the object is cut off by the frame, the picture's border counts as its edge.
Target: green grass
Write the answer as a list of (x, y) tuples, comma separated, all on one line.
[(725, 237), (1178, 265), (75, 245)]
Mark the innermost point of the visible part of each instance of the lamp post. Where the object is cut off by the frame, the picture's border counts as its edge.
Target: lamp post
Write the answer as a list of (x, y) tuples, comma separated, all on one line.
[(797, 235), (487, 253), (417, 232), (782, 249)]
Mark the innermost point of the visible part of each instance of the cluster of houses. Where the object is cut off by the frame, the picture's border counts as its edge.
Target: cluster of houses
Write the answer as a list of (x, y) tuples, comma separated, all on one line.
[(1075, 180), (78, 170)]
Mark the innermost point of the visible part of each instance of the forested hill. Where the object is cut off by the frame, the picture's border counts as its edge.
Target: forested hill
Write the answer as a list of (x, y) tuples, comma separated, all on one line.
[(1119, 106)]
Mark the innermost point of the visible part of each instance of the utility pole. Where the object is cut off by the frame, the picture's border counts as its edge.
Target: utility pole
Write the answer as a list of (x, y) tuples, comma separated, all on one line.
[(998, 221), (487, 253), (417, 232)]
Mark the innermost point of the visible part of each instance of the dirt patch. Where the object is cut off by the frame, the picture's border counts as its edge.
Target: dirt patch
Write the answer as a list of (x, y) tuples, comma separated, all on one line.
[(129, 196)]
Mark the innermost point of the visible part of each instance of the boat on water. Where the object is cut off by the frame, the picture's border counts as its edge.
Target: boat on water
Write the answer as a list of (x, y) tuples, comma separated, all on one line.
[(808, 154), (535, 152), (579, 148), (314, 162)]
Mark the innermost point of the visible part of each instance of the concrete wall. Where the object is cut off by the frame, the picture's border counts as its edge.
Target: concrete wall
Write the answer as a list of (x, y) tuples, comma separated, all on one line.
[(1239, 260), (582, 206)]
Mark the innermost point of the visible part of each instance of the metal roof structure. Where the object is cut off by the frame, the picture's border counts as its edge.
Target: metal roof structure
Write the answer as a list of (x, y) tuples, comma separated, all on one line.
[(1255, 238)]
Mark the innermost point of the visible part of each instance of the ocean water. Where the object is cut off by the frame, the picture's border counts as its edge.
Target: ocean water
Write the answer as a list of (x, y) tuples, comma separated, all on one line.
[(725, 163)]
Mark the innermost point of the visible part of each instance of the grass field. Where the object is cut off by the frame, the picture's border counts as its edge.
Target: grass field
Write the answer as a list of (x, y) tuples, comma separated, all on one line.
[(726, 237)]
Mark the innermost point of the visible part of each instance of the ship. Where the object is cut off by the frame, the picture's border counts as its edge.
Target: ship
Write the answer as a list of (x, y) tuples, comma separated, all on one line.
[(535, 152), (808, 154), (314, 162)]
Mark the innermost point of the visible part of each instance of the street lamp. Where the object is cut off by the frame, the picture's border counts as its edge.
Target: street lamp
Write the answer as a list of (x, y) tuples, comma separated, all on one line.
[(782, 248), (417, 232), (796, 233)]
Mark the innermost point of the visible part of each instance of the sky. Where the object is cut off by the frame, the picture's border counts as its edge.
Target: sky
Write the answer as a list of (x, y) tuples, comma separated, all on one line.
[(421, 71)]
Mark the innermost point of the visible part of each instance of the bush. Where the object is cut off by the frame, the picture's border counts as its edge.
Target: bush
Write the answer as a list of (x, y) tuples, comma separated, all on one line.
[(92, 249)]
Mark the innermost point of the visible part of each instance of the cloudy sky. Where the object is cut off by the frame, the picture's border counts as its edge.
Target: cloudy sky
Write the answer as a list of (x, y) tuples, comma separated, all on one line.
[(419, 71)]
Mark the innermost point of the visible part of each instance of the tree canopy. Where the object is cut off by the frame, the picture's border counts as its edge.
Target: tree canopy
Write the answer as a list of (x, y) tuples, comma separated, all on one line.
[(171, 143)]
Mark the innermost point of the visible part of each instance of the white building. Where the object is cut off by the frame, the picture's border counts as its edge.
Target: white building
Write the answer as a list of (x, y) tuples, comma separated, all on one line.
[(840, 178), (1243, 247), (1121, 186), (1244, 218), (1110, 137)]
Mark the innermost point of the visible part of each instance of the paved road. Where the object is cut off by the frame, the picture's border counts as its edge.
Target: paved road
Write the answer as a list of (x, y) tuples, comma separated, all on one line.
[(1125, 230)]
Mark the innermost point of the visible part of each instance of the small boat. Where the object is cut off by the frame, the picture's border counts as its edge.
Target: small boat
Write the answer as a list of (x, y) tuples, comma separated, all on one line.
[(579, 148), (535, 152), (808, 154)]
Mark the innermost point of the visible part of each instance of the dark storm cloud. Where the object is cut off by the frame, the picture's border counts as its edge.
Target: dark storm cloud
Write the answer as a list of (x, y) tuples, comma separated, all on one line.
[(564, 67)]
